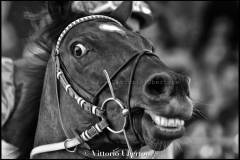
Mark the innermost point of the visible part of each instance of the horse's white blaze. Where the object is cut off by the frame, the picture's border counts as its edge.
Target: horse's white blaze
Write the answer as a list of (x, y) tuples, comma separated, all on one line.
[(111, 28)]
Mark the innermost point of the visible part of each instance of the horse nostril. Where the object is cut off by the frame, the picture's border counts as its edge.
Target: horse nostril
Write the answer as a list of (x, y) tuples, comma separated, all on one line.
[(158, 84)]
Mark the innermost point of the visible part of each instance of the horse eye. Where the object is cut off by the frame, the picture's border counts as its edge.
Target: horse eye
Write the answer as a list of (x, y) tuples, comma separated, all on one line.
[(79, 50)]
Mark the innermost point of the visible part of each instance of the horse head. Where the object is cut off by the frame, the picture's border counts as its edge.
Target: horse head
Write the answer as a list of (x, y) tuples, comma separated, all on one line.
[(99, 64)]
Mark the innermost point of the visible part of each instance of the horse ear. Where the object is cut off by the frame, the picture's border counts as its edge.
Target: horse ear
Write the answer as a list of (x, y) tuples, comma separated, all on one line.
[(123, 11), (58, 9)]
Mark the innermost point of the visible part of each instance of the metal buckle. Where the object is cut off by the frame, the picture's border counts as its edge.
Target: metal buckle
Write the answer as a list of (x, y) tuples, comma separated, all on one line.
[(124, 111), (68, 150)]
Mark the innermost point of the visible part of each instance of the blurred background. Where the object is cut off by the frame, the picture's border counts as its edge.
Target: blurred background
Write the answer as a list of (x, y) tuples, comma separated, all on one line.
[(196, 38)]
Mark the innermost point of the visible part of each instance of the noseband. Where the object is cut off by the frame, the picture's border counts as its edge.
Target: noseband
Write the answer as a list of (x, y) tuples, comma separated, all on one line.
[(88, 105)]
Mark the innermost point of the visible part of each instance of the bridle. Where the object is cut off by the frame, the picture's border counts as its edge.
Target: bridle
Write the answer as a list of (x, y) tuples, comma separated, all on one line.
[(88, 105)]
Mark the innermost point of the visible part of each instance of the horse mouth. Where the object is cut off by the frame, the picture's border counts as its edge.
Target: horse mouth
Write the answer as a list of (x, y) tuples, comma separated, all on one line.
[(170, 128), (159, 131)]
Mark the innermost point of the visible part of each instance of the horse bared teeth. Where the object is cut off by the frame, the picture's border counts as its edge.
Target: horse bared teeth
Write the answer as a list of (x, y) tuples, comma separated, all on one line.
[(175, 122), (171, 123), (182, 123), (178, 122), (157, 120), (165, 122), (162, 122)]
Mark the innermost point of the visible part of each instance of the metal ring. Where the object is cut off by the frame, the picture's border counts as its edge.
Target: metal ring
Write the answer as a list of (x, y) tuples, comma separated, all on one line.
[(81, 103), (125, 112), (87, 135), (98, 128), (94, 109), (68, 150), (67, 86), (84, 137), (122, 107), (59, 73), (79, 99)]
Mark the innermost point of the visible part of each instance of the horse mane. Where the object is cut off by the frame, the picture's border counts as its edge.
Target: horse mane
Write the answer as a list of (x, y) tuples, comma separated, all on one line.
[(41, 42), (47, 29)]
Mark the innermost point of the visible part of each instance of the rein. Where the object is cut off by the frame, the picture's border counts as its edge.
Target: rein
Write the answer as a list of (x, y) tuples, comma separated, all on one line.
[(87, 106)]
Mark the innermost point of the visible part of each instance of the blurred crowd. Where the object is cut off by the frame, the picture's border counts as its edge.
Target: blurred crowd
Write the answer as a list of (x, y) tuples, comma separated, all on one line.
[(199, 39), (196, 38)]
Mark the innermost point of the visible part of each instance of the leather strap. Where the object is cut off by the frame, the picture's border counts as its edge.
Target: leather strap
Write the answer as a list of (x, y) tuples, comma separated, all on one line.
[(69, 143), (54, 147)]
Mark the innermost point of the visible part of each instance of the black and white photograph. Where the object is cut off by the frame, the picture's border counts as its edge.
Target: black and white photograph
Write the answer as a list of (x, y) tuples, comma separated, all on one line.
[(120, 79)]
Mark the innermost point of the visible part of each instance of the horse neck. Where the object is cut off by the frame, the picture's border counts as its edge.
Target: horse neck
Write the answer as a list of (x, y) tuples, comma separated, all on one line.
[(49, 129)]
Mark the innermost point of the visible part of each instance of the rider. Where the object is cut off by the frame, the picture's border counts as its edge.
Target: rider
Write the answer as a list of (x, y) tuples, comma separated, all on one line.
[(140, 18), (38, 51)]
